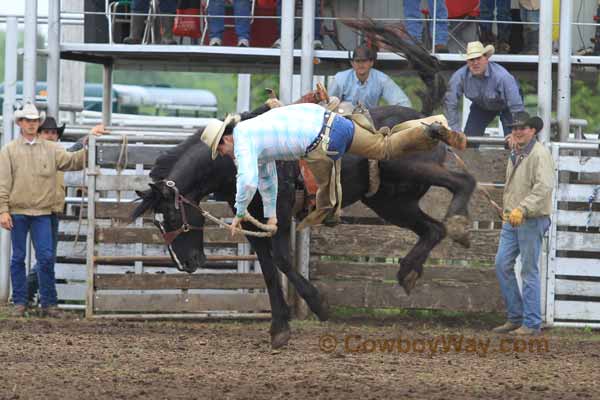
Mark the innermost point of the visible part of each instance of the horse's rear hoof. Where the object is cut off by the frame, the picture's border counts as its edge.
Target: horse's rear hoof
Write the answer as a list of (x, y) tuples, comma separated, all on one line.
[(409, 282), (280, 339), (323, 311), (457, 228)]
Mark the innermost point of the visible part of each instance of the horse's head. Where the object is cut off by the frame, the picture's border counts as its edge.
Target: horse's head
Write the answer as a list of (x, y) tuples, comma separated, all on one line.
[(181, 224)]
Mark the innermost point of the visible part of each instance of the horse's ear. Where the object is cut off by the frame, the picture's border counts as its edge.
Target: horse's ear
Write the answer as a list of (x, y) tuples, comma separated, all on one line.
[(154, 187)]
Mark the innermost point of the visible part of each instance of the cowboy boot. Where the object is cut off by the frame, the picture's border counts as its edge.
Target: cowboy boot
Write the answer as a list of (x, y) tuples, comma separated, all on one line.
[(167, 27), (458, 140), (138, 23)]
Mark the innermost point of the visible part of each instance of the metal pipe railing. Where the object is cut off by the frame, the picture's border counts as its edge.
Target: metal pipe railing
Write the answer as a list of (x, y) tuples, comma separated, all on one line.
[(286, 66), (10, 94), (564, 70), (53, 61), (544, 83), (30, 54)]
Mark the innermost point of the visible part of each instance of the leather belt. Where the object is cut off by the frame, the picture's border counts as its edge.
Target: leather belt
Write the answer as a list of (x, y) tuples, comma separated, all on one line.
[(327, 123)]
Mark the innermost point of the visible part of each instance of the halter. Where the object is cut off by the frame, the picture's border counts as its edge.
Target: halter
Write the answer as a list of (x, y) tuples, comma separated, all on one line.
[(170, 236)]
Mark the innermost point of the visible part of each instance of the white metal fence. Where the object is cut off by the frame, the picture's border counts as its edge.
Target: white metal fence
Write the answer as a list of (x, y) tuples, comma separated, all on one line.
[(573, 275)]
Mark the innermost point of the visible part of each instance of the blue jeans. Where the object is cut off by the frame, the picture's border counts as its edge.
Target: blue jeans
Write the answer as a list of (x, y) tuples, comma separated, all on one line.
[(531, 32), (241, 8), (480, 118), (486, 12), (165, 6), (32, 278), (525, 240), (318, 35), (412, 10), (41, 236)]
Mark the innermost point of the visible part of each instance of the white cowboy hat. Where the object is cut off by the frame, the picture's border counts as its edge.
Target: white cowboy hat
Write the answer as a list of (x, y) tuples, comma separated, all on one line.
[(29, 111), (476, 49), (211, 135)]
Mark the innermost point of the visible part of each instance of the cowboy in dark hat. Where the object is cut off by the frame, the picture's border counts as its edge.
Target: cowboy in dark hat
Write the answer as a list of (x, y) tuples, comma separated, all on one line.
[(364, 84), (49, 130), (527, 203), (520, 136)]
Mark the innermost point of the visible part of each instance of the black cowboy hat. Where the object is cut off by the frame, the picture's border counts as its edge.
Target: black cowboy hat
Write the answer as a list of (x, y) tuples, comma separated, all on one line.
[(50, 124), (522, 118)]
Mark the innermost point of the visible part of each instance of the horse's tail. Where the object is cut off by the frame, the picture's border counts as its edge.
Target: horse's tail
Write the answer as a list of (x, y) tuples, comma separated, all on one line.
[(395, 38)]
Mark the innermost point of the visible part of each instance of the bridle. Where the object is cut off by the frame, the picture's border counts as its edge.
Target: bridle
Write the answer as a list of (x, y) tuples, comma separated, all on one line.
[(180, 200), (170, 236)]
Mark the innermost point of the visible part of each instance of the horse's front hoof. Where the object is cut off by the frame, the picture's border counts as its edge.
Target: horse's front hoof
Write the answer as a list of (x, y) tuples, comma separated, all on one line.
[(280, 339), (457, 228), (409, 282)]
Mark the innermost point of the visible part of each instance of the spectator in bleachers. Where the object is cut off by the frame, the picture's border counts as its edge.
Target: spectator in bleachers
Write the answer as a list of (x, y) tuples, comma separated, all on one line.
[(492, 90), (216, 26), (414, 23), (28, 179), (363, 83), (318, 39), (464, 25), (502, 8), (530, 12), (50, 131), (138, 22)]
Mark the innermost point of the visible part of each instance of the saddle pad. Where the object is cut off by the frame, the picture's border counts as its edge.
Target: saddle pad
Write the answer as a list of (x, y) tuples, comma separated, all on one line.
[(309, 179)]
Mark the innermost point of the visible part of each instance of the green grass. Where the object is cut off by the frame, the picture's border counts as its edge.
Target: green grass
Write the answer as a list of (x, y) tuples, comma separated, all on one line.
[(587, 333), (419, 315)]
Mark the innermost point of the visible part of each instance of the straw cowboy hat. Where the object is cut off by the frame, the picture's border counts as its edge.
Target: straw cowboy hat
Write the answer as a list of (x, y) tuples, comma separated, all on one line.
[(29, 111), (211, 135), (50, 124), (476, 49)]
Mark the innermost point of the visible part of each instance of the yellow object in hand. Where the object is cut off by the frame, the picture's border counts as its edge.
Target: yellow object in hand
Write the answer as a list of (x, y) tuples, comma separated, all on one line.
[(516, 217)]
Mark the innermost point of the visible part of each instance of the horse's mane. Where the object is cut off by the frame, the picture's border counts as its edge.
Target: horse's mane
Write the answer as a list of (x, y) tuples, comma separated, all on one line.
[(165, 162), (161, 170)]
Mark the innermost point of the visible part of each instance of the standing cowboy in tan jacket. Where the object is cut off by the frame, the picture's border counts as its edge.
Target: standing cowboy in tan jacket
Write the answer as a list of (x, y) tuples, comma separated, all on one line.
[(28, 181), (50, 131), (527, 203)]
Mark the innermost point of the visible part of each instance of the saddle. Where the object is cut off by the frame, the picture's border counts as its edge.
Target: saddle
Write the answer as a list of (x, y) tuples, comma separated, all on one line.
[(306, 193)]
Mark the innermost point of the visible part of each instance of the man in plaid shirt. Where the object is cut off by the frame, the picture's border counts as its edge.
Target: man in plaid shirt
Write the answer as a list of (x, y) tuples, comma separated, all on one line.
[(321, 137)]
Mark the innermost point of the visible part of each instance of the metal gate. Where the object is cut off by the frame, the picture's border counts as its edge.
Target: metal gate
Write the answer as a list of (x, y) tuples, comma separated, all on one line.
[(573, 275)]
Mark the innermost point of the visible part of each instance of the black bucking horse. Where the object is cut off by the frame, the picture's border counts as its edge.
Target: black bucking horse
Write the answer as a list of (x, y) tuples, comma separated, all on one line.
[(186, 173)]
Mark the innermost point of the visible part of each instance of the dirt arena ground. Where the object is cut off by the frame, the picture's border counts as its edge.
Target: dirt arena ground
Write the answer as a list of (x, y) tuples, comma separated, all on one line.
[(405, 356)]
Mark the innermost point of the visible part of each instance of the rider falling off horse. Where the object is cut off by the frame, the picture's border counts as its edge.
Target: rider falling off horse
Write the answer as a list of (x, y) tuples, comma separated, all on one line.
[(321, 137)]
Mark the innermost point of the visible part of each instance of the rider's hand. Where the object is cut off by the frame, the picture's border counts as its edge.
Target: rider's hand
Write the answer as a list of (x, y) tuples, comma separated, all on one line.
[(236, 224), (6, 221), (272, 221)]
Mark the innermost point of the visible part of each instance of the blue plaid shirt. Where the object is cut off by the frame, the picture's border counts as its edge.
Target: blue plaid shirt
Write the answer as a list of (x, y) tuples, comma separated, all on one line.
[(282, 133)]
